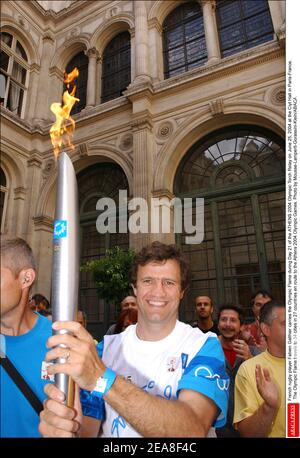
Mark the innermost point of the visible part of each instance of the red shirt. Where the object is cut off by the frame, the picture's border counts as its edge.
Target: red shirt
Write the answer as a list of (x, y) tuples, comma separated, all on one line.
[(230, 355)]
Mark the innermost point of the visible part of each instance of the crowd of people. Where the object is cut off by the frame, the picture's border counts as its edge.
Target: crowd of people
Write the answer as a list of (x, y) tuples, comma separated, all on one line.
[(151, 375)]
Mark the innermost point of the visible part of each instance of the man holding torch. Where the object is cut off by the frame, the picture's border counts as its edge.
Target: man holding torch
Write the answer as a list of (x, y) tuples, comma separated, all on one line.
[(127, 381)]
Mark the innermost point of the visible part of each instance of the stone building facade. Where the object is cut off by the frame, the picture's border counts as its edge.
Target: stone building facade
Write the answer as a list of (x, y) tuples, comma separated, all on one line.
[(202, 114)]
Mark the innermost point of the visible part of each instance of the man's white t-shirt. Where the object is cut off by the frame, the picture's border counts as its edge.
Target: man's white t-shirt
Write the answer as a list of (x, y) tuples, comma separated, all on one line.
[(185, 359)]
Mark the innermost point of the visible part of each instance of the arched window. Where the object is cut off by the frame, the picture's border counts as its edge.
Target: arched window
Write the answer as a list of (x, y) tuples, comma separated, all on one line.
[(3, 196), (240, 173), (116, 67), (98, 180), (14, 67), (184, 44), (243, 24), (81, 62)]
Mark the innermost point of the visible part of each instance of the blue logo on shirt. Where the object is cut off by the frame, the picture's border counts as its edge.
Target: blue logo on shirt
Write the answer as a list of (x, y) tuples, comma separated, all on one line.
[(60, 229), (184, 358)]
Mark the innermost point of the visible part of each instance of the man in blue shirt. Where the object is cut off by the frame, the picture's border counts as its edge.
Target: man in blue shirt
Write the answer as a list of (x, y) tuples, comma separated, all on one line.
[(23, 340), (159, 377)]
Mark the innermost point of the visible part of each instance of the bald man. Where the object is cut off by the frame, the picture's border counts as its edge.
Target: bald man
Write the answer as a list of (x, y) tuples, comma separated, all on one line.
[(204, 310), (129, 302)]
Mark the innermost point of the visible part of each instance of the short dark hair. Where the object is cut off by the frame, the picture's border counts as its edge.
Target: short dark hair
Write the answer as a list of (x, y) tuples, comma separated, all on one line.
[(205, 295), (237, 308), (266, 312), (264, 293), (40, 299), (160, 252), (16, 254), (132, 314)]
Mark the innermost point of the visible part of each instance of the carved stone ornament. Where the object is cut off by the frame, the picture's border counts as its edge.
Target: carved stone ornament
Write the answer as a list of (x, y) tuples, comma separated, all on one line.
[(164, 130), (126, 142), (49, 166), (216, 106), (278, 95)]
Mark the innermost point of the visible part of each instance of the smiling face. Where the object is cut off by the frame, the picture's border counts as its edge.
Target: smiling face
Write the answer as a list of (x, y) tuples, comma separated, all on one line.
[(229, 324), (158, 292)]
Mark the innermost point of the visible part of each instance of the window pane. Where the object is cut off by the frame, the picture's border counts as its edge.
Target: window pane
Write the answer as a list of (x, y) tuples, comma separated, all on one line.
[(194, 29), (80, 61), (93, 183), (20, 51), (228, 13), (176, 57), (251, 7), (255, 25), (243, 24), (4, 59), (175, 37), (15, 98), (6, 38), (2, 178), (196, 50), (116, 67), (183, 39), (19, 73)]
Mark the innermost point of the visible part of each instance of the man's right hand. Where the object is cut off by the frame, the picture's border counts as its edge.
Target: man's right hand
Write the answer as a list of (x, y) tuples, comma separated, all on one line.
[(266, 387), (58, 420)]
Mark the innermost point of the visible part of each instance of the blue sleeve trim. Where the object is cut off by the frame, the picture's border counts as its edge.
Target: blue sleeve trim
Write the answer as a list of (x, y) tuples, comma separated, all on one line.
[(93, 406), (206, 374)]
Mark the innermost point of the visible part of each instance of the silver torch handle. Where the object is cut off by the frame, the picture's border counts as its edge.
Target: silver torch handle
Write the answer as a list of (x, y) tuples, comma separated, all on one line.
[(65, 267)]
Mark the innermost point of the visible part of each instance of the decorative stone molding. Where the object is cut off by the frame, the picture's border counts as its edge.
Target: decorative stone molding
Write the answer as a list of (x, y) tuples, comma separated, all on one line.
[(49, 167), (20, 193), (34, 162), (142, 121), (22, 22), (113, 12), (164, 130), (277, 96), (216, 106), (213, 3), (154, 23), (35, 68), (55, 71), (159, 193), (74, 32), (126, 142), (92, 52), (281, 35), (42, 223), (83, 150), (49, 36)]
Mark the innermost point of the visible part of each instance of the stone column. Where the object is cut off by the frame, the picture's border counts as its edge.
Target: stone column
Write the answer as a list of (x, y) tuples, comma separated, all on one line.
[(92, 54), (33, 180), (32, 91), (142, 173), (98, 82), (16, 224), (141, 42), (42, 111), (276, 14), (42, 247), (156, 51), (55, 95), (211, 31)]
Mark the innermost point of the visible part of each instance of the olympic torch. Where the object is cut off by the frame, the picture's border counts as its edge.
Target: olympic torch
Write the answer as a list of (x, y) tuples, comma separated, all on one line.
[(65, 270)]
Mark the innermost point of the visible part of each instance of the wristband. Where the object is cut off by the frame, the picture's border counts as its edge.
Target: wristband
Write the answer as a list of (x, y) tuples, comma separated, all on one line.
[(104, 383)]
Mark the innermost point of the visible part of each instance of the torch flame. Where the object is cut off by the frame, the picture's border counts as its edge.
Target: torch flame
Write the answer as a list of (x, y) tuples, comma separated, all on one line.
[(62, 130)]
